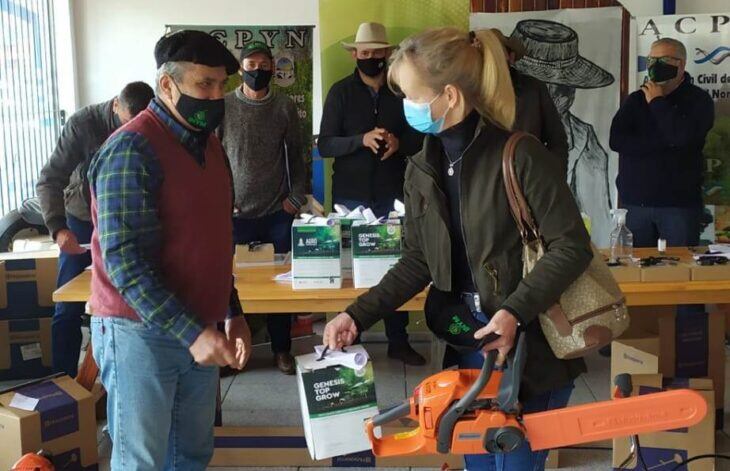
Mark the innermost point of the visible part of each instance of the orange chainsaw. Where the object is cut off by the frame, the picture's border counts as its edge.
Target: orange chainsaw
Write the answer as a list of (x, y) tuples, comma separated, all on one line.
[(477, 411)]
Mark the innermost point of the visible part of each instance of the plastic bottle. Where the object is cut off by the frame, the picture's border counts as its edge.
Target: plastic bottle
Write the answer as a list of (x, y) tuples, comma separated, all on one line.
[(621, 239)]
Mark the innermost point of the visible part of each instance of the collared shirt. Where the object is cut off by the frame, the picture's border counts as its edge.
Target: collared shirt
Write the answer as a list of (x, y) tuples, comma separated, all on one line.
[(125, 177)]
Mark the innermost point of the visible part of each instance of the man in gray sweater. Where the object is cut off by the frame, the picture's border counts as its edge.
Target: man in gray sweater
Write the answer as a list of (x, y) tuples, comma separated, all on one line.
[(260, 133), (63, 193)]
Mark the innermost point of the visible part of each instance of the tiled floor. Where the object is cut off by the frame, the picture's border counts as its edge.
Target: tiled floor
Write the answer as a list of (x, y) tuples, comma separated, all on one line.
[(262, 396)]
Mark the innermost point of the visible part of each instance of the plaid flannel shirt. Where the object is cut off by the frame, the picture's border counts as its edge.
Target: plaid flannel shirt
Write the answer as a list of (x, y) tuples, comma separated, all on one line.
[(125, 177)]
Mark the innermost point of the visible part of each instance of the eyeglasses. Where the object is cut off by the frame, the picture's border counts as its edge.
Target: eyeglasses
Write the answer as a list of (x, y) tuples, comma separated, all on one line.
[(664, 59)]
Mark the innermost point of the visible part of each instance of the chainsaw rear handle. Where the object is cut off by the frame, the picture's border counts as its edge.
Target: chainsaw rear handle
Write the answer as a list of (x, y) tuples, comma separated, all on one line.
[(394, 413)]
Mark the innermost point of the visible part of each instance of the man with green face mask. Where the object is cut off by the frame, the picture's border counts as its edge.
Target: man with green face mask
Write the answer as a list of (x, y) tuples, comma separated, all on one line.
[(162, 250), (659, 133), (260, 134)]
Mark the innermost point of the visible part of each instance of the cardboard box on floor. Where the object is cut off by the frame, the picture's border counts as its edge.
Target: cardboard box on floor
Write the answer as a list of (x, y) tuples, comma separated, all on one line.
[(25, 348), (62, 423), (27, 282), (698, 349), (664, 450)]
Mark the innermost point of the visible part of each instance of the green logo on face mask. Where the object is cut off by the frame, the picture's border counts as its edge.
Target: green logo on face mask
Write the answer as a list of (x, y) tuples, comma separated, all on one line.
[(458, 327), (199, 119)]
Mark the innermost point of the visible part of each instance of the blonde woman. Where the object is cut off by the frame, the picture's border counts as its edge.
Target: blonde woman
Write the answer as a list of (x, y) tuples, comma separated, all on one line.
[(460, 234)]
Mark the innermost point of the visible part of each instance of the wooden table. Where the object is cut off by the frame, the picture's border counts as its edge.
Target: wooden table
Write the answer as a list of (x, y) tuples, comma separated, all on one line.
[(260, 294)]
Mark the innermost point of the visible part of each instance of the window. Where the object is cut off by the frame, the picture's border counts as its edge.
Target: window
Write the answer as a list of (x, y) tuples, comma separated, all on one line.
[(29, 110)]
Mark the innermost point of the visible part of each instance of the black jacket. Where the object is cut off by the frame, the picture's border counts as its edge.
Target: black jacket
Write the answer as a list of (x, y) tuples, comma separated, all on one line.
[(660, 146), (62, 186), (350, 111), (492, 242), (536, 114)]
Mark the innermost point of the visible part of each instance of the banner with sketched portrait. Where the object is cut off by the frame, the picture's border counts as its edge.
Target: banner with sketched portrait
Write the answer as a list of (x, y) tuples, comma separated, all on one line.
[(575, 52)]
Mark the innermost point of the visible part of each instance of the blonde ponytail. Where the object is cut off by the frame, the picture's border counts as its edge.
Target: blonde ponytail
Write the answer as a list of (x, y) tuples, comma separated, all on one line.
[(475, 64), (498, 94)]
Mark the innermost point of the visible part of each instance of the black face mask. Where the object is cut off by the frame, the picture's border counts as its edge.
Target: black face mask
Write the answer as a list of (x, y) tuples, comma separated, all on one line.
[(205, 115), (371, 67), (660, 72), (257, 79)]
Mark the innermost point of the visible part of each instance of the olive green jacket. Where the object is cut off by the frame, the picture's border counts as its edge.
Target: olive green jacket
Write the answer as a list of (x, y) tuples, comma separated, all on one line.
[(493, 243)]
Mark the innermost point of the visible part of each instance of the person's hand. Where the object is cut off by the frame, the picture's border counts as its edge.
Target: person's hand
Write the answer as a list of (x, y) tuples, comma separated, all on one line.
[(651, 90), (68, 243), (504, 324), (211, 348), (392, 144), (339, 332), (374, 139), (289, 208), (239, 337)]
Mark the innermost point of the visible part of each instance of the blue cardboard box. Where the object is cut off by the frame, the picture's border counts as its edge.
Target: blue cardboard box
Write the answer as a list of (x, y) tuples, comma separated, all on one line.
[(57, 415), (25, 348), (27, 285)]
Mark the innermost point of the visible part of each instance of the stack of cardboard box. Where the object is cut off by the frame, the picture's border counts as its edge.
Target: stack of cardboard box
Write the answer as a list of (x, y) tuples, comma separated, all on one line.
[(26, 308)]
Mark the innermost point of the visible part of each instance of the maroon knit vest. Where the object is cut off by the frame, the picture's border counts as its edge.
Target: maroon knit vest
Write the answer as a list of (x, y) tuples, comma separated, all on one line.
[(194, 207)]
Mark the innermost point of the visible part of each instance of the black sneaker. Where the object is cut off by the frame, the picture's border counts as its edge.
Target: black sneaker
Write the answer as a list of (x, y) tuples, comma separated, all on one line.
[(406, 354)]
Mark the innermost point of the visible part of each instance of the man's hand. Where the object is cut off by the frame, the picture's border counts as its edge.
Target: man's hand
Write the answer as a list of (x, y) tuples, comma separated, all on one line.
[(211, 348), (374, 139), (239, 337), (392, 144), (68, 243), (504, 324), (339, 332), (651, 90), (289, 208)]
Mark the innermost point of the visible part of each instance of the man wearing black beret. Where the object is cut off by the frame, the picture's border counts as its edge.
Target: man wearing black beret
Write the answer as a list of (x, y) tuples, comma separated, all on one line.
[(161, 202)]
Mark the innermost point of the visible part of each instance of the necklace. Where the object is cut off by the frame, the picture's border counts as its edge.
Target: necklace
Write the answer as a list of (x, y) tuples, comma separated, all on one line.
[(450, 171)]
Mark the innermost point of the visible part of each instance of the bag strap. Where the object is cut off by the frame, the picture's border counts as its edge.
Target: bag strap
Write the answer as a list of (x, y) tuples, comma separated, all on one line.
[(518, 204)]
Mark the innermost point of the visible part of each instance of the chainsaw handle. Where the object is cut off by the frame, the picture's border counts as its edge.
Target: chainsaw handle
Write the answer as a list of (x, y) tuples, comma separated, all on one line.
[(396, 412), (449, 419)]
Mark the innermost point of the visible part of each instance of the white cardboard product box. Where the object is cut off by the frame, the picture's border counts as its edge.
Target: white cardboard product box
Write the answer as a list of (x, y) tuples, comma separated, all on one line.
[(375, 249), (316, 255), (335, 401), (345, 228)]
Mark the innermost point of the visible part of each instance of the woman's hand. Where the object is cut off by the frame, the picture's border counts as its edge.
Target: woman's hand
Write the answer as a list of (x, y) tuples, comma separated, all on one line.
[(339, 332), (504, 324)]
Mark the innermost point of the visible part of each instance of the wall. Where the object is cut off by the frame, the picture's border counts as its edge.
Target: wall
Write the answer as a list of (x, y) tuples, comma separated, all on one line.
[(115, 40)]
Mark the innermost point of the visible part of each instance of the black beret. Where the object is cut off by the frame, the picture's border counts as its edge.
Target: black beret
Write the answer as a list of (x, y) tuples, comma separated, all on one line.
[(197, 47)]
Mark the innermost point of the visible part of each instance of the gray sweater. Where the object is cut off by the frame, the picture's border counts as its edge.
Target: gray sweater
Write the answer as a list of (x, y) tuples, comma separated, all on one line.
[(263, 143)]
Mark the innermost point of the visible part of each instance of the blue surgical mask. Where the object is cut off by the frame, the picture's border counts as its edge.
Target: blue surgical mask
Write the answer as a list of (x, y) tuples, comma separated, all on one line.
[(419, 116)]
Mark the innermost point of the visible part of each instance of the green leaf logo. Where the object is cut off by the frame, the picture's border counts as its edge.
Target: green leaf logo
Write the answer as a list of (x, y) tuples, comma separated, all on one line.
[(458, 327)]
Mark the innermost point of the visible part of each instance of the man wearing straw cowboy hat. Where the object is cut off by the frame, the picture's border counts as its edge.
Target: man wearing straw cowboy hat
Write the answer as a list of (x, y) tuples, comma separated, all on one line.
[(551, 55), (364, 129)]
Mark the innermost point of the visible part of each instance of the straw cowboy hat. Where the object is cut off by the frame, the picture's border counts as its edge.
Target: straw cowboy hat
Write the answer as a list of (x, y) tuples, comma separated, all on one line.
[(369, 36), (551, 55)]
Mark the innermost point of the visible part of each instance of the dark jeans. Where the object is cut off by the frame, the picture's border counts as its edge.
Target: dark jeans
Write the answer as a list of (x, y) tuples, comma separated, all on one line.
[(395, 322), (273, 229), (66, 326), (680, 227)]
